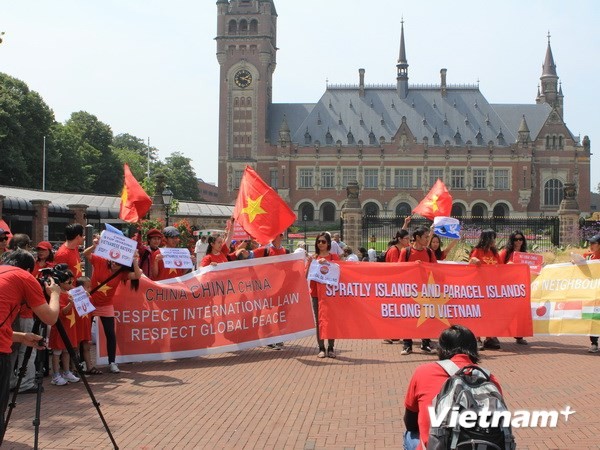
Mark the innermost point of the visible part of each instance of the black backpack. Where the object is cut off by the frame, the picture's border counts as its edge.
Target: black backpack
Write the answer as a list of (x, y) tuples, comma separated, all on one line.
[(381, 256), (468, 389)]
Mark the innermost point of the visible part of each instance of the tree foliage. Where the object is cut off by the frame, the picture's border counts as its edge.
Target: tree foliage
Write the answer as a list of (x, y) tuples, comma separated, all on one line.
[(180, 176)]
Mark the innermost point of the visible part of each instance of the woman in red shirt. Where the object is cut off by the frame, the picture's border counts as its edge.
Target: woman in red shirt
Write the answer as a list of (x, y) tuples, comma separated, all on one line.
[(322, 255), (45, 257), (435, 244), (485, 252), (218, 248)]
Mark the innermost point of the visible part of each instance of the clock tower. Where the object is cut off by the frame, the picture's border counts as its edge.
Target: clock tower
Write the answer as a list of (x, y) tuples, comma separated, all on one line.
[(246, 52)]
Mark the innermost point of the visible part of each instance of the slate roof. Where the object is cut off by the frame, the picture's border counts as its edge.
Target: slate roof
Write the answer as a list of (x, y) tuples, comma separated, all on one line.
[(102, 206), (464, 109)]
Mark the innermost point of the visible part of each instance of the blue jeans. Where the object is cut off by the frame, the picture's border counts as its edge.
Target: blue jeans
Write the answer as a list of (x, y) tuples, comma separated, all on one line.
[(411, 440)]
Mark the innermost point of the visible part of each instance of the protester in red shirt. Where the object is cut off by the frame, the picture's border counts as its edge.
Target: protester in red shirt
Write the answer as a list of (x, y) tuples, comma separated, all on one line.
[(154, 238), (457, 344), (107, 275), (417, 252), (322, 255), (4, 236), (218, 247), (68, 253), (17, 284), (273, 249), (159, 271), (435, 244), (485, 252)]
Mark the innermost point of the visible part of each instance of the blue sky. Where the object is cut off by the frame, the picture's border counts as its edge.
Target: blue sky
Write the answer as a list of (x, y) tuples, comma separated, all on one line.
[(148, 67)]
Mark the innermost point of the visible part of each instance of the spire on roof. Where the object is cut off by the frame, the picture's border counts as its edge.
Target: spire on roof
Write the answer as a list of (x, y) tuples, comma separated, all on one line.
[(549, 68), (523, 127), (402, 57), (402, 66)]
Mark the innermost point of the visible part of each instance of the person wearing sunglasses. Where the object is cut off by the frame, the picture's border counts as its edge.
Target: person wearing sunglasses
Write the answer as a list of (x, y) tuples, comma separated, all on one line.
[(322, 255), (516, 243)]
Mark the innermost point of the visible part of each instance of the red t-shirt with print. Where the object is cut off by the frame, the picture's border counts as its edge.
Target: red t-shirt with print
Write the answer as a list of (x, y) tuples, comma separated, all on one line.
[(425, 255), (104, 295), (68, 321), (218, 258), (486, 256), (70, 257), (16, 285)]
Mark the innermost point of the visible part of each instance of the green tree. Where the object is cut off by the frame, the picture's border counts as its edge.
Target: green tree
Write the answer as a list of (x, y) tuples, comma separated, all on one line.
[(24, 121), (134, 151), (180, 176)]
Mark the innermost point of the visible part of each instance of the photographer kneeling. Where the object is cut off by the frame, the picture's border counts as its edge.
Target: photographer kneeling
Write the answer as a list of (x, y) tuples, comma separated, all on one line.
[(18, 284)]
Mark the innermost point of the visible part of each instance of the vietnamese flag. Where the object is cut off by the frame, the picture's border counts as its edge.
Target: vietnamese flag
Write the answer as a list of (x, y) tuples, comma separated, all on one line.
[(438, 202), (260, 210), (135, 203)]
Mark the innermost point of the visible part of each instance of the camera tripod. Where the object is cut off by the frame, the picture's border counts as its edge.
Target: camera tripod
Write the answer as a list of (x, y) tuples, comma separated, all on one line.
[(39, 374)]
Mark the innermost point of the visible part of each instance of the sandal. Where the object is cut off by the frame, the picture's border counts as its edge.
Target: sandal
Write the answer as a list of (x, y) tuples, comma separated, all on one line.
[(93, 371)]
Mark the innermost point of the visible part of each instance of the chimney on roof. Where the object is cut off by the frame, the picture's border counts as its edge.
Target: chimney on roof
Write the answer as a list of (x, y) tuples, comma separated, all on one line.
[(361, 82), (443, 82)]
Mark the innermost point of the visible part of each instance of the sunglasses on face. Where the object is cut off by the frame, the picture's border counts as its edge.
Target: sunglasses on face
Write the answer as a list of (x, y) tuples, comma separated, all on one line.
[(519, 239), (3, 239), (321, 242)]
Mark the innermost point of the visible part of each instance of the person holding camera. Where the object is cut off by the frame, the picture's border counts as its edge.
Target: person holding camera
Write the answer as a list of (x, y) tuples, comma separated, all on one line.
[(17, 284), (108, 274)]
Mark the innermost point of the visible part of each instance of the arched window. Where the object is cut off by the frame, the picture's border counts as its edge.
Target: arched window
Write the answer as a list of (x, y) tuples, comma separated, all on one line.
[(553, 192), (458, 210), (307, 212), (328, 212), (500, 211), (403, 209), (232, 27), (249, 101), (253, 26), (243, 26), (553, 142), (236, 102), (560, 142), (243, 102), (371, 209), (547, 142), (479, 210)]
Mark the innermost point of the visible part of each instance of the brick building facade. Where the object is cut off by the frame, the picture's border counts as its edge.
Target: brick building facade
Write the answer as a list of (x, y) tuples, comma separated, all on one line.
[(395, 140)]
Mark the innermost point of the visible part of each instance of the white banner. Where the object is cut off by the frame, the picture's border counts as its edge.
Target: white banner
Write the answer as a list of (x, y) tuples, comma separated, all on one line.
[(177, 258)]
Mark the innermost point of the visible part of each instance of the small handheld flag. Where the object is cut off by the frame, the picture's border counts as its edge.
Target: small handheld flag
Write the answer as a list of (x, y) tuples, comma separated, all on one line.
[(438, 202), (447, 227)]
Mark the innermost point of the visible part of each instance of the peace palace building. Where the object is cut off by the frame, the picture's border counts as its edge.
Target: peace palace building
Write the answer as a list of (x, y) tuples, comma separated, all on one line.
[(395, 140)]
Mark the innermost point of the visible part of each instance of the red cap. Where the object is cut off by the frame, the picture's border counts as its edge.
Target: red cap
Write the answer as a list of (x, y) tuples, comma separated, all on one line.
[(153, 232), (44, 245)]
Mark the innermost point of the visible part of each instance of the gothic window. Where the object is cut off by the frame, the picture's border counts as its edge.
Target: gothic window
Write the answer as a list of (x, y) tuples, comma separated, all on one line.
[(307, 138), (479, 179), (547, 142), (243, 102), (232, 27), (371, 178), (243, 26), (403, 178), (307, 211), (371, 209), (560, 142), (328, 138), (457, 178), (372, 138), (305, 180), (253, 26), (236, 102), (500, 211), (328, 212), (403, 209), (327, 178), (501, 179), (273, 175), (350, 137), (348, 175), (434, 174), (553, 192), (248, 101)]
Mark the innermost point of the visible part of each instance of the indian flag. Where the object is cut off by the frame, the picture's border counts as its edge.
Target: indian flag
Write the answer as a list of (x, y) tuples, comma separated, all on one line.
[(567, 310), (590, 312)]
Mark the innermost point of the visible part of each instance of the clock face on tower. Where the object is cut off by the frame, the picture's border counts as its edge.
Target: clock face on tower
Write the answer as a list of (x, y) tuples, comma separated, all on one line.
[(242, 78)]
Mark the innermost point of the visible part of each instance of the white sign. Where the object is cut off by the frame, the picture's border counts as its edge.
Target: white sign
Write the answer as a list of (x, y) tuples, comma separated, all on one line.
[(81, 300), (116, 247), (326, 273), (177, 258)]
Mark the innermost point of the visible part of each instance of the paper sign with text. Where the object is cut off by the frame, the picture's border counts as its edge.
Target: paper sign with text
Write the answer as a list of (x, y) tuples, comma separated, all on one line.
[(223, 308), (81, 300), (326, 273), (535, 261), (419, 300), (177, 258), (116, 247)]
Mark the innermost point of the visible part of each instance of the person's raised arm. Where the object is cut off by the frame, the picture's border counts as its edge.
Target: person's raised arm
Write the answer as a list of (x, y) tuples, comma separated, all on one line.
[(228, 233), (137, 272), (90, 250)]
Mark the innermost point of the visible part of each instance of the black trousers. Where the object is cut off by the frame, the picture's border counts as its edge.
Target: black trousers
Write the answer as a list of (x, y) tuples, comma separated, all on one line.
[(5, 370), (321, 342), (108, 323)]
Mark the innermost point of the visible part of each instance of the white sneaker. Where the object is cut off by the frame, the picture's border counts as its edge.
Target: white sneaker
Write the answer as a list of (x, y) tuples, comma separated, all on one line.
[(113, 368), (68, 375), (58, 380), (593, 348)]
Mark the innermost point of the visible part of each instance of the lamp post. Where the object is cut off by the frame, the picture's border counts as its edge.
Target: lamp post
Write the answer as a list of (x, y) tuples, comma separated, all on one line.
[(304, 227), (167, 196)]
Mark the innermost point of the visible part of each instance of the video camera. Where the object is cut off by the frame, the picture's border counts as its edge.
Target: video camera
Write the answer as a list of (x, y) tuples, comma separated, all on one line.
[(59, 273)]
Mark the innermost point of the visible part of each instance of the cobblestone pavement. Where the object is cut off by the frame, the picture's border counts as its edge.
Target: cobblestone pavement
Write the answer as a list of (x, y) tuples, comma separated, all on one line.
[(263, 398)]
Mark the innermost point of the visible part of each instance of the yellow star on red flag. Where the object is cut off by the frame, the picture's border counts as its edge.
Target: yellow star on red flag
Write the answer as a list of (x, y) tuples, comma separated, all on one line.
[(71, 317), (254, 208)]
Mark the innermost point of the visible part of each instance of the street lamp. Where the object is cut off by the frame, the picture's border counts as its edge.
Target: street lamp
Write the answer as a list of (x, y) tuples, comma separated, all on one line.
[(304, 227), (167, 196)]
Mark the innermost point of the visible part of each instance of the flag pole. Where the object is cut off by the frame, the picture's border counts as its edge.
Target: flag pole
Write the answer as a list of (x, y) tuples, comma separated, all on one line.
[(148, 167), (44, 166)]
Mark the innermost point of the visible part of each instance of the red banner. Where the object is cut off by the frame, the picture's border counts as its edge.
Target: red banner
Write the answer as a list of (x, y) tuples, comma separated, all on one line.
[(231, 306), (419, 300)]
